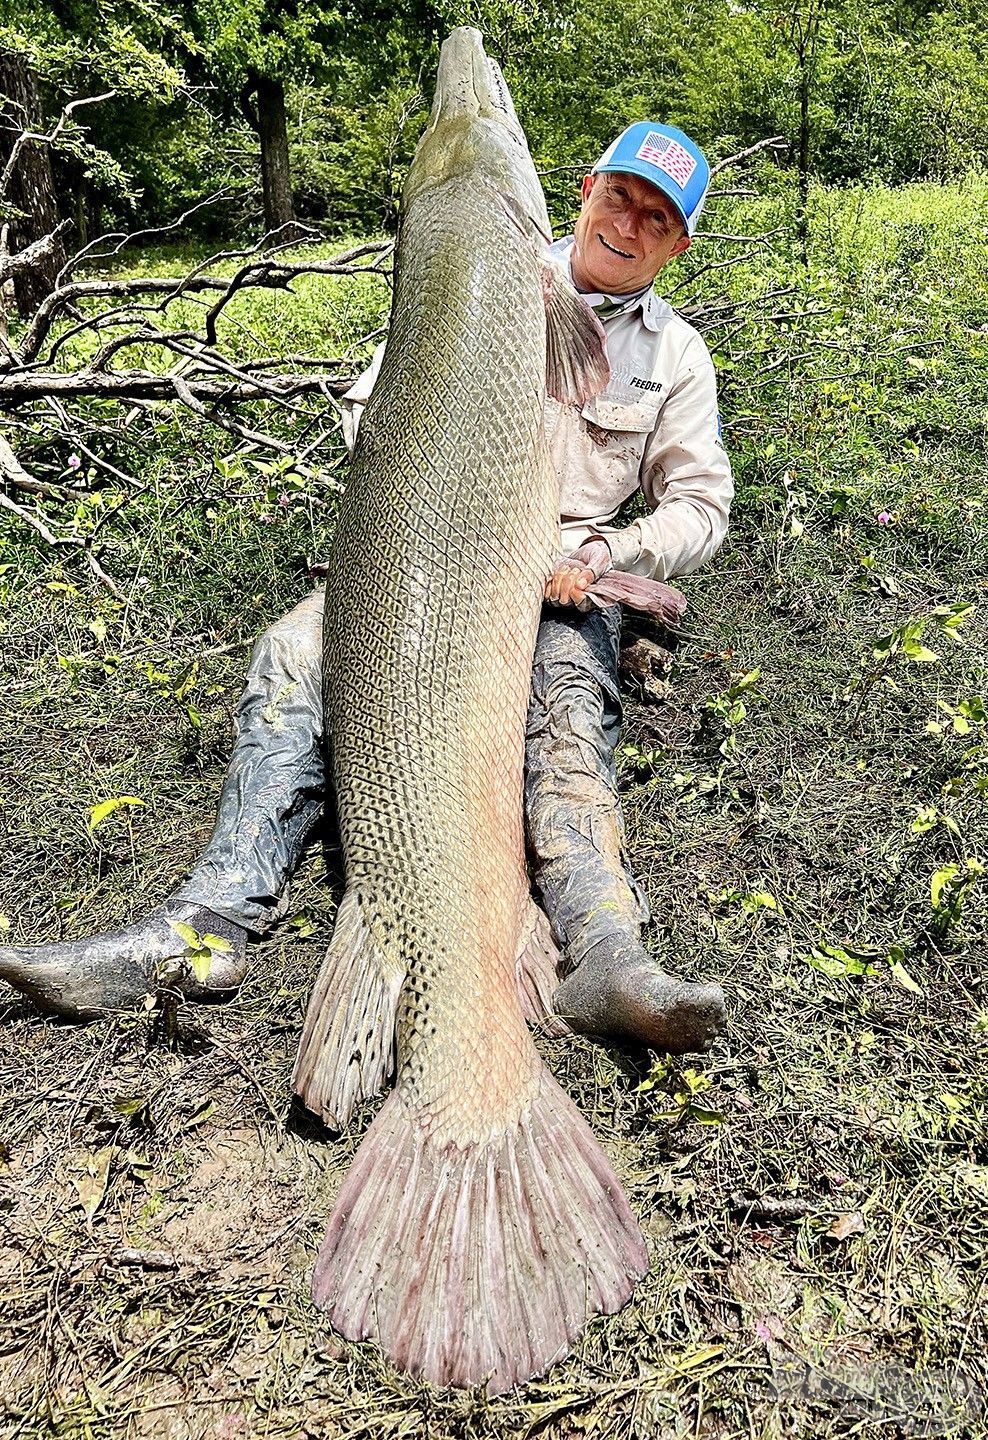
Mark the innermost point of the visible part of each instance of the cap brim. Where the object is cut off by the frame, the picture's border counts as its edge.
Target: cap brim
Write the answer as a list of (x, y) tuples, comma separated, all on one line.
[(644, 172)]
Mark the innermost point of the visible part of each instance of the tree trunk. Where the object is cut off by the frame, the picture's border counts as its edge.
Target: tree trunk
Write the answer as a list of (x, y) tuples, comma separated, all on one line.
[(804, 156), (31, 188), (272, 130)]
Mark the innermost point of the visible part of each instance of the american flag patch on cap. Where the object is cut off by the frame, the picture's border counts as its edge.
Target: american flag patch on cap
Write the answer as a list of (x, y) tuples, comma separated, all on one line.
[(667, 155)]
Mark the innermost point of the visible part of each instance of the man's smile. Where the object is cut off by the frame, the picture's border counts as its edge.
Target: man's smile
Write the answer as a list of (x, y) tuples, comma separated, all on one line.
[(613, 248)]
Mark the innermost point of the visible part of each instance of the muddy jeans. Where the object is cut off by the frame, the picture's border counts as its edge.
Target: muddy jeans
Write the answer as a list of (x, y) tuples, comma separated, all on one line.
[(276, 780)]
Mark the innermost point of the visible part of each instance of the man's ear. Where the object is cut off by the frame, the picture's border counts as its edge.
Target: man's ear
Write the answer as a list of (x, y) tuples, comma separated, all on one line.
[(683, 243), (586, 187)]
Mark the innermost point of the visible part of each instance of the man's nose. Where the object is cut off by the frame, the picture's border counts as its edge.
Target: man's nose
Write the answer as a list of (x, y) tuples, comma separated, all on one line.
[(626, 222)]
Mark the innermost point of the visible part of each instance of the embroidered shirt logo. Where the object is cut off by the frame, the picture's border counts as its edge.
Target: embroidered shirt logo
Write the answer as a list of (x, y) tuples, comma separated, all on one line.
[(668, 155), (646, 384)]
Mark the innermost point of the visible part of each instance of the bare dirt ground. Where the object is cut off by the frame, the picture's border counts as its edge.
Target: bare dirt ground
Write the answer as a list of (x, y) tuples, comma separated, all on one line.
[(814, 1194)]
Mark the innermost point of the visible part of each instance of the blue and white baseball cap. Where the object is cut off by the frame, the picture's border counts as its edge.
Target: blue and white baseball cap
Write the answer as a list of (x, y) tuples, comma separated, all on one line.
[(670, 160)]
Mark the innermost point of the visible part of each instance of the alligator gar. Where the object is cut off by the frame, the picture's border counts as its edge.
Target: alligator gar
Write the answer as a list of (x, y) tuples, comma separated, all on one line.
[(480, 1224)]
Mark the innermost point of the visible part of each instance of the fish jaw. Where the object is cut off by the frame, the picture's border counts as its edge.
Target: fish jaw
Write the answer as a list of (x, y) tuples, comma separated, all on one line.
[(474, 132)]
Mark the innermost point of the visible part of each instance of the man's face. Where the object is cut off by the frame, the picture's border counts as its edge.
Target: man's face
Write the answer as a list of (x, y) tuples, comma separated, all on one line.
[(626, 232)]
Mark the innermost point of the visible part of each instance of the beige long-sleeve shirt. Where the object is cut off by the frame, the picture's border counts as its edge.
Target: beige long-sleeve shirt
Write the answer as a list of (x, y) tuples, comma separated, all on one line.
[(655, 427)]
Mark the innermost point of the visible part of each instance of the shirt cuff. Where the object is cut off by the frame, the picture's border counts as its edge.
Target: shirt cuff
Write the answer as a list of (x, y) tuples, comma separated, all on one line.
[(625, 547)]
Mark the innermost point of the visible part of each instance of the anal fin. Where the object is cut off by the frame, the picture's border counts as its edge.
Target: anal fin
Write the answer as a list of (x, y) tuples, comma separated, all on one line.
[(347, 1048)]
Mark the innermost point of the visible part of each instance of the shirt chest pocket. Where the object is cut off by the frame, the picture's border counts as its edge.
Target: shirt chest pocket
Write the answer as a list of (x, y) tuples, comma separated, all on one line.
[(636, 416), (620, 428)]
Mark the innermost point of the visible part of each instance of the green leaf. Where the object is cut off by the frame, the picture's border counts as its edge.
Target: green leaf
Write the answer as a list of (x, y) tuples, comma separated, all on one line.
[(837, 963), (192, 938), (939, 882), (200, 1114), (216, 945), (950, 618), (826, 964), (738, 687), (705, 1117), (916, 651), (201, 961), (925, 819), (108, 807)]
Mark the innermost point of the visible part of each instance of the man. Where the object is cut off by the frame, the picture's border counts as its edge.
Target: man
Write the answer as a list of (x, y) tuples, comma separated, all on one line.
[(654, 428)]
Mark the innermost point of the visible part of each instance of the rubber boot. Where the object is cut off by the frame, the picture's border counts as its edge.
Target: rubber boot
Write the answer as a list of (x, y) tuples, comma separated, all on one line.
[(84, 979), (270, 800), (576, 838)]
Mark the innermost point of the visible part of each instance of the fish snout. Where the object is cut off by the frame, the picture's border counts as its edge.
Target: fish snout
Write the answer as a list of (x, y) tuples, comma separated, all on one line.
[(469, 84)]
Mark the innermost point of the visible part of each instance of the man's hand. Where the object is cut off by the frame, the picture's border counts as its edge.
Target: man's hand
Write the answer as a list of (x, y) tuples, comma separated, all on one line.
[(574, 574)]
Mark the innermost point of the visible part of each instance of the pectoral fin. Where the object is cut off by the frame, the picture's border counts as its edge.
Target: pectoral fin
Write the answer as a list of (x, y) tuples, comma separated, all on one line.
[(576, 359), (638, 593)]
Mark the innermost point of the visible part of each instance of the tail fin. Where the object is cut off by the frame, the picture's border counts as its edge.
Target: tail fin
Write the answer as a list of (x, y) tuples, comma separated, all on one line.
[(348, 1041), (537, 973), (483, 1262)]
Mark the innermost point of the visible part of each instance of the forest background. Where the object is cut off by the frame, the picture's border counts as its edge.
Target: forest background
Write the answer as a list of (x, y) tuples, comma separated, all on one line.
[(331, 98), (197, 206)]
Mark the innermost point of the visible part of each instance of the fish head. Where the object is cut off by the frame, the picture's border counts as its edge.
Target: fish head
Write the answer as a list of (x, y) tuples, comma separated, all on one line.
[(474, 134)]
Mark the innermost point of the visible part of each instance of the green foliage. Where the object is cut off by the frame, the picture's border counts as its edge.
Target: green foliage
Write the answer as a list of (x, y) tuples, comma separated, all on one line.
[(200, 950), (723, 713), (893, 91), (266, 37), (950, 889), (683, 1087)]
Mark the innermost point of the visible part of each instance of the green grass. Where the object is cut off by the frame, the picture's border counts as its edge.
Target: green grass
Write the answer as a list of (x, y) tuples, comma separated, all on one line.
[(814, 1194)]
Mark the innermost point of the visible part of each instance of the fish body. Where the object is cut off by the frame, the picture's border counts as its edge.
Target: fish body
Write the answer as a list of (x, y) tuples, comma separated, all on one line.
[(480, 1223)]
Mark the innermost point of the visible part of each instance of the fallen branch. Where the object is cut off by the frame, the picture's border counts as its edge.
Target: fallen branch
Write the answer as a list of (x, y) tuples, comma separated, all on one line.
[(259, 274), (74, 542), (775, 143), (35, 521), (33, 255), (142, 385), (13, 473)]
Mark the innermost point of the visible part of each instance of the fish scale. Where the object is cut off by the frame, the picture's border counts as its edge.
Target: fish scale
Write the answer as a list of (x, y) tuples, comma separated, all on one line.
[(442, 760), (480, 1224)]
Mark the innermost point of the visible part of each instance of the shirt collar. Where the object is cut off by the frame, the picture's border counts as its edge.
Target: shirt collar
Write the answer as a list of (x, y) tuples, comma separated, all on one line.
[(646, 300)]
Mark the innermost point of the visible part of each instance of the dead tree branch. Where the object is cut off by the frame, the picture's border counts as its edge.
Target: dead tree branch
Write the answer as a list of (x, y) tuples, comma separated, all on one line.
[(776, 143), (51, 137), (14, 474)]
